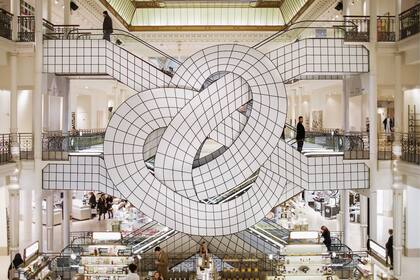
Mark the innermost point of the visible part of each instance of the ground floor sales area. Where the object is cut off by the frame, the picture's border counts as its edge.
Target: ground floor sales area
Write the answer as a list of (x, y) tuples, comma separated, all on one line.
[(287, 244)]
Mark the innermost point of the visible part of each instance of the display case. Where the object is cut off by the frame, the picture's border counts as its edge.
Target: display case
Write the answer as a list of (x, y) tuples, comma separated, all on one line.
[(36, 266), (104, 262)]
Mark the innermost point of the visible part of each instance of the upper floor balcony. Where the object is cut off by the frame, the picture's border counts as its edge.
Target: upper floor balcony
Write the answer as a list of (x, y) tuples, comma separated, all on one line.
[(409, 22)]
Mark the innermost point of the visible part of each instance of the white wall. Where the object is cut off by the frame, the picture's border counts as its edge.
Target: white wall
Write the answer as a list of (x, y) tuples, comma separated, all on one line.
[(83, 115), (24, 111), (412, 218), (4, 111)]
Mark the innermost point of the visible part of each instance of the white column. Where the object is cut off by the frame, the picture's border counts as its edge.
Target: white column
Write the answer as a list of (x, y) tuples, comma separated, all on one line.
[(397, 21), (373, 137), (345, 105), (363, 221), (50, 220), (13, 98), (66, 4), (345, 215), (37, 122), (16, 12), (49, 9), (14, 218), (300, 93), (293, 106), (373, 87), (26, 216), (398, 218), (67, 200), (398, 101), (373, 215)]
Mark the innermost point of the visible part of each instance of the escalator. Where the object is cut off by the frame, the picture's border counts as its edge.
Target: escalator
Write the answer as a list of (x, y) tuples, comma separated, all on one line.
[(147, 237), (271, 232)]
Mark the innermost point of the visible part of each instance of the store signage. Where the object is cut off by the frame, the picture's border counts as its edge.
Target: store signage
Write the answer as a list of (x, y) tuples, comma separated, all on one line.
[(31, 250), (106, 236)]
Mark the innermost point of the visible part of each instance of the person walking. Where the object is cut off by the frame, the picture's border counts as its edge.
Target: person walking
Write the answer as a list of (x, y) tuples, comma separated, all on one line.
[(389, 249), (102, 208), (107, 26), (109, 202), (12, 273), (325, 233), (300, 134), (132, 272), (161, 262)]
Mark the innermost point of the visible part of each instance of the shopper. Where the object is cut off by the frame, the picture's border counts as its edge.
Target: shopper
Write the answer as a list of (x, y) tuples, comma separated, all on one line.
[(102, 208), (300, 134), (92, 200), (161, 262), (107, 26), (109, 202), (325, 233), (389, 249), (388, 124), (156, 276), (14, 265), (132, 272)]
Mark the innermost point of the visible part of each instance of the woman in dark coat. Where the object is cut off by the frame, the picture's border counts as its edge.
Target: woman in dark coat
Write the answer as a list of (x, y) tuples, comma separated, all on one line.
[(102, 207), (109, 202), (16, 263), (325, 233)]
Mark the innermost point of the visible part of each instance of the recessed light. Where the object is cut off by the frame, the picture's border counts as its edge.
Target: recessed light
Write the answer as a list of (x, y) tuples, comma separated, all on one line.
[(86, 87)]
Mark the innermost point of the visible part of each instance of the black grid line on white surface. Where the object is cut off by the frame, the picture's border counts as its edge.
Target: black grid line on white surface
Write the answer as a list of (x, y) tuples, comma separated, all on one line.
[(83, 172), (174, 122), (319, 56), (88, 57)]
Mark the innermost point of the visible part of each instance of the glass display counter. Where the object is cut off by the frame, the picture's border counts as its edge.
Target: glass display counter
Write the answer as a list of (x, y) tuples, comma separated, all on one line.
[(104, 262), (36, 266)]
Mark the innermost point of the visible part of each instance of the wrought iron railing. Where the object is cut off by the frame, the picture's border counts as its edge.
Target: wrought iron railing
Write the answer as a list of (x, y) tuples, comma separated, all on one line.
[(57, 145), (385, 143), (26, 148), (410, 22), (5, 24), (359, 34), (26, 31), (410, 148), (386, 28), (5, 149)]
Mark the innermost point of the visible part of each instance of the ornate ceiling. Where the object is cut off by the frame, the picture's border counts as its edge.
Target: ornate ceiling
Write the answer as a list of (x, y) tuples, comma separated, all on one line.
[(196, 15)]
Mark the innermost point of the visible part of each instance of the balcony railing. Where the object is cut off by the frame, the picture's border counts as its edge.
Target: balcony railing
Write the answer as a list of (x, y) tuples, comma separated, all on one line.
[(58, 145), (26, 31), (5, 148), (410, 22), (386, 29), (5, 24), (16, 146), (359, 34), (410, 148)]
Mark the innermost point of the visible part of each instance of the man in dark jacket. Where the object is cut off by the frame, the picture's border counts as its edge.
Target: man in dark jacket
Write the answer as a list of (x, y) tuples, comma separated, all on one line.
[(300, 134), (389, 248), (107, 26)]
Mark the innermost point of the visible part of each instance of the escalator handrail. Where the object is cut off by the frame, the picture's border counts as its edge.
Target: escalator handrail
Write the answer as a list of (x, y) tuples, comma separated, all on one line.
[(291, 27), (123, 33)]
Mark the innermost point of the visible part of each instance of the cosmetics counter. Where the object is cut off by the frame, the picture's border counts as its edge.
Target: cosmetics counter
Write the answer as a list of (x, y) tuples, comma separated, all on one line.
[(104, 259), (36, 265)]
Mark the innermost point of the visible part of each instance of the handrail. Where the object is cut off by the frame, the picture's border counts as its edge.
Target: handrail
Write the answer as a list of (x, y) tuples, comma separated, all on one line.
[(6, 12), (291, 27), (130, 35)]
